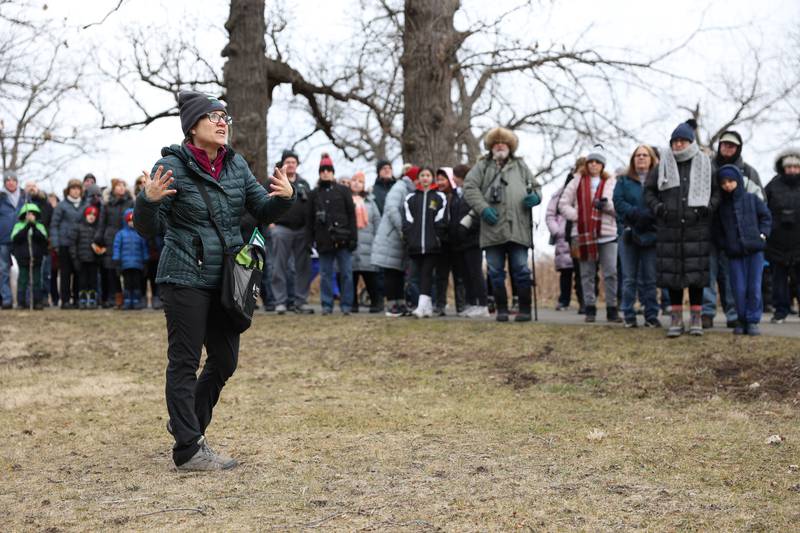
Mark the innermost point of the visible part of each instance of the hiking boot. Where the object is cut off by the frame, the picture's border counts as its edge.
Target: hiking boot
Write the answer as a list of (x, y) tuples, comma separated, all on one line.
[(730, 324), (676, 324), (591, 313), (739, 329), (696, 324), (778, 319), (753, 330), (612, 315), (707, 321), (524, 315), (207, 459), (631, 323)]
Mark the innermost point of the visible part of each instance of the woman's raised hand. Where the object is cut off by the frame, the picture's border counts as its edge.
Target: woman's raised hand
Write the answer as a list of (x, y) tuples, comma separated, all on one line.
[(280, 185), (155, 188)]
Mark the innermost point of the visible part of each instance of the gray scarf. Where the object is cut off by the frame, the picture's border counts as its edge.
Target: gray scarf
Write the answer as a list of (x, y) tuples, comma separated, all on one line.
[(13, 197), (699, 175)]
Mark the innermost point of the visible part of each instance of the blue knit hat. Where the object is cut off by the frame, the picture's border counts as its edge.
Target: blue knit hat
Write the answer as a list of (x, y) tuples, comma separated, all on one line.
[(729, 172), (683, 131)]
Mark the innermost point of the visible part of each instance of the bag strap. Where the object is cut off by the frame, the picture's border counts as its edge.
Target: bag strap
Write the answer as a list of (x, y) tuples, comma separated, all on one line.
[(204, 193)]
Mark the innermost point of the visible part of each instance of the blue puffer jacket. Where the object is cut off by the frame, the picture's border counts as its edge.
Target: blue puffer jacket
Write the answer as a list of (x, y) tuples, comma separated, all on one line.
[(632, 212), (130, 249), (741, 220), (192, 254)]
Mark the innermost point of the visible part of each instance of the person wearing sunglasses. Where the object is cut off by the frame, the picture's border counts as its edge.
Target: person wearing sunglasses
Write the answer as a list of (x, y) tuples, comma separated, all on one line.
[(190, 267)]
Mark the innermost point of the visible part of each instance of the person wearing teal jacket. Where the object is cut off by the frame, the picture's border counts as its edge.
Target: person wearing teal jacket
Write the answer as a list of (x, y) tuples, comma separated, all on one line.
[(190, 267)]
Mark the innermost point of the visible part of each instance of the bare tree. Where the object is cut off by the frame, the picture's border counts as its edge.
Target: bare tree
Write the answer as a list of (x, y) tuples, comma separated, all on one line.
[(35, 135)]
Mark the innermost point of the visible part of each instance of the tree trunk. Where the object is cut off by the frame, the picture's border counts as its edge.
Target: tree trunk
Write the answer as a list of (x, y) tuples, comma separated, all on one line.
[(245, 75), (429, 45)]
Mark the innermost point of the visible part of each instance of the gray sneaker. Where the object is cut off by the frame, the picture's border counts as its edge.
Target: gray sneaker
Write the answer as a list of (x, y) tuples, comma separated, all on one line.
[(206, 459), (280, 309)]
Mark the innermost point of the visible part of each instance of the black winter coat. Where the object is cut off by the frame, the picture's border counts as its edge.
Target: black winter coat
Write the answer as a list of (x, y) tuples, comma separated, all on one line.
[(111, 220), (19, 246), (462, 238), (332, 218), (740, 221), (424, 221), (80, 249), (783, 200), (683, 233), (297, 216)]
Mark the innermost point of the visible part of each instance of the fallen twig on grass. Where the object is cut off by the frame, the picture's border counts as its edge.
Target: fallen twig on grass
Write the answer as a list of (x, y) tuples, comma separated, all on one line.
[(177, 509)]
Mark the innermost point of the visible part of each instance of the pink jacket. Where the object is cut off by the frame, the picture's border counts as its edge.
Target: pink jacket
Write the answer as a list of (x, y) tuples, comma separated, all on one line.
[(568, 206), (557, 225)]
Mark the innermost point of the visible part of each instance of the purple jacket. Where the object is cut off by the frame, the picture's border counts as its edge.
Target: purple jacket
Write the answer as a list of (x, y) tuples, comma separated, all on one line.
[(557, 224)]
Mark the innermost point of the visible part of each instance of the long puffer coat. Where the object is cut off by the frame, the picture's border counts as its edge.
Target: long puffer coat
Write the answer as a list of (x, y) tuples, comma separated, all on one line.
[(362, 257), (683, 233), (388, 250), (783, 200), (557, 225), (110, 222)]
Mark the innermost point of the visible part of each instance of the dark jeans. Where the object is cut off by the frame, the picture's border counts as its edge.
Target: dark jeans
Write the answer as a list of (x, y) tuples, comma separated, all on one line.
[(695, 296), (195, 318), (638, 277), (29, 285), (719, 277), (446, 263), (565, 286), (518, 264), (475, 286), (132, 278), (745, 275), (344, 260), (782, 276), (67, 276)]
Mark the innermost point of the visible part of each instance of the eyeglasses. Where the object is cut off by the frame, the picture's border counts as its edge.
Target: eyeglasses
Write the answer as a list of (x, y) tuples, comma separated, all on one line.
[(216, 118)]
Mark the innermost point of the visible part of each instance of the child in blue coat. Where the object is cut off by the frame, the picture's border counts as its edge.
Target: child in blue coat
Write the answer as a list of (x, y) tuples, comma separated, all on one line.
[(131, 255), (743, 223)]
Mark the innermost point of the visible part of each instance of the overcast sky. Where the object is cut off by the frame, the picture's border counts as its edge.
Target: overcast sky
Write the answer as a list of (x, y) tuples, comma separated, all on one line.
[(319, 28)]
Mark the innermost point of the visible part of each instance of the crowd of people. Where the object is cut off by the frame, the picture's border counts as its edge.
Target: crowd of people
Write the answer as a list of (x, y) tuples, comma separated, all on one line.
[(674, 219)]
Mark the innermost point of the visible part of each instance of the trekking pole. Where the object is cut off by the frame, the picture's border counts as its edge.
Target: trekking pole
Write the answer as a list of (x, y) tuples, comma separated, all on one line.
[(533, 271), (30, 267)]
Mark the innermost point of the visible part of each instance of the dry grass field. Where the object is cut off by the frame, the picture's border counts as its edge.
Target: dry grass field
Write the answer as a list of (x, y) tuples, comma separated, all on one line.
[(368, 424)]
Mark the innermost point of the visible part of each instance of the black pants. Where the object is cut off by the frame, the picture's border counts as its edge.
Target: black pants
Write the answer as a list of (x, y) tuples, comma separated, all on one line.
[(195, 318), (87, 277), (132, 279), (394, 284), (67, 276), (152, 268), (447, 262), (473, 277), (424, 264), (371, 282), (695, 296), (112, 285), (565, 286)]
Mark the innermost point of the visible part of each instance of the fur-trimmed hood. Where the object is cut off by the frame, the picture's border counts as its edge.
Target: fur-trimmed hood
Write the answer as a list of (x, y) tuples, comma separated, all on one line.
[(794, 151), (501, 135)]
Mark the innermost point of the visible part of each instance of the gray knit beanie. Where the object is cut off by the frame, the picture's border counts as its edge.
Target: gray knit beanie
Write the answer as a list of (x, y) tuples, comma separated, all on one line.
[(193, 106)]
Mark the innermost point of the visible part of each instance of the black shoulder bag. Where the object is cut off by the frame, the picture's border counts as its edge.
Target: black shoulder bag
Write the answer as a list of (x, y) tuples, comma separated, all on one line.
[(242, 268)]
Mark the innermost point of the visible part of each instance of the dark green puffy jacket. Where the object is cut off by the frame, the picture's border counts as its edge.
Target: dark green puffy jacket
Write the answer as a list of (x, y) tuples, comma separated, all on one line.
[(192, 254)]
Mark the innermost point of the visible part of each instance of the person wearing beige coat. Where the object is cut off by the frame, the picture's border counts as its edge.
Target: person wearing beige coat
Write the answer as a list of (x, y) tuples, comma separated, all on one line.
[(597, 244)]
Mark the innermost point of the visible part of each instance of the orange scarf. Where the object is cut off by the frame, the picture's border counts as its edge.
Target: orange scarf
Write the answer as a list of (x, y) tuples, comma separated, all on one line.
[(362, 216)]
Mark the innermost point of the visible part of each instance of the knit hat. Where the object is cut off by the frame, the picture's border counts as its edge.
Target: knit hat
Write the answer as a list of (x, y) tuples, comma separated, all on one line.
[(501, 135), (90, 210), (326, 163), (128, 214), (88, 177), (729, 172), (382, 163), (597, 155), (193, 105), (683, 131), (413, 172), (286, 154)]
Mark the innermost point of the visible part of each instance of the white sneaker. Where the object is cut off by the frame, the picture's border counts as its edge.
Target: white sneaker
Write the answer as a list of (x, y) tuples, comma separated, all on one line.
[(466, 311), (480, 312), (424, 307)]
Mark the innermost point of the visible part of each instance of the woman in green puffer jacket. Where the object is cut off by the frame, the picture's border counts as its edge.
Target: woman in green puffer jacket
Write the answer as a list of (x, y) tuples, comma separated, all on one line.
[(190, 268)]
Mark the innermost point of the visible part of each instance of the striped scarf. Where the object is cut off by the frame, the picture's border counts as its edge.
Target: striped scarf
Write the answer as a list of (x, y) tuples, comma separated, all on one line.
[(588, 219)]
